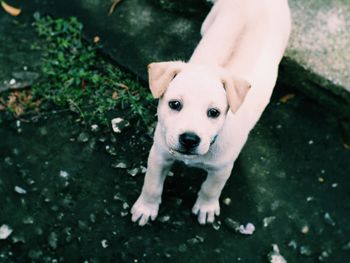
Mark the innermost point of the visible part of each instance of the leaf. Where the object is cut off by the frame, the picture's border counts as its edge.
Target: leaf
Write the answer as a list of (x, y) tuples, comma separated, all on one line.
[(121, 85), (115, 95), (113, 6), (10, 9), (287, 97)]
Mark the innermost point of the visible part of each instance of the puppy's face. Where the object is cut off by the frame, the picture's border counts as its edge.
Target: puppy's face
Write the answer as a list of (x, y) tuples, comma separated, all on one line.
[(192, 111)]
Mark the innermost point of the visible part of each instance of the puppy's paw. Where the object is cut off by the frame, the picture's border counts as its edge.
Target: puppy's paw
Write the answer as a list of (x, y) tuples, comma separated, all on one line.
[(206, 210), (142, 211)]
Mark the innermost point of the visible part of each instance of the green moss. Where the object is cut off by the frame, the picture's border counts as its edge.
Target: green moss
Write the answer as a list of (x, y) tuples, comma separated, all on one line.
[(74, 76)]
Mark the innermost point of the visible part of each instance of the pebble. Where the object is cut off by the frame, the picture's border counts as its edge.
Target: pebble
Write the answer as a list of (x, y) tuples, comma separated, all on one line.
[(8, 161), (38, 231), (119, 164), (133, 171), (305, 229), (227, 201), (305, 251), (216, 225), (18, 239), (324, 256), (15, 151), (53, 240), (20, 190), (195, 240), (5, 231), (125, 205), (328, 219), (275, 205), (268, 220), (293, 244), (310, 198), (28, 220), (178, 201), (247, 230), (164, 218), (102, 139), (274, 256), (83, 137), (92, 144), (118, 197), (182, 248), (192, 241), (104, 243), (200, 238), (124, 213), (94, 128), (92, 218), (118, 124), (111, 150), (43, 131), (64, 174), (143, 169)]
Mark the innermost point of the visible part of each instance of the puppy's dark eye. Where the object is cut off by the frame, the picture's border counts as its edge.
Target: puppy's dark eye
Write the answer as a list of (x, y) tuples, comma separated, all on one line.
[(213, 113), (175, 105)]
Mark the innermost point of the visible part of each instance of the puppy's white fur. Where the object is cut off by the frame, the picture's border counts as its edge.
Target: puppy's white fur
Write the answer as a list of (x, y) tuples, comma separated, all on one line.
[(243, 42)]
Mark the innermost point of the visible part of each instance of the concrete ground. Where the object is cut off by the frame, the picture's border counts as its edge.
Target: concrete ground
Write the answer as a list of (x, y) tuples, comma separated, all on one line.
[(66, 201)]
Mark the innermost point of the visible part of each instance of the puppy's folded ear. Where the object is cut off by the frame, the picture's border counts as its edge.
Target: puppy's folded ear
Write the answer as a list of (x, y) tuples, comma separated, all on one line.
[(160, 74), (236, 91)]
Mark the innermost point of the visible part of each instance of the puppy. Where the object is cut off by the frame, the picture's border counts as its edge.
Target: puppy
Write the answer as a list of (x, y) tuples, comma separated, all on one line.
[(208, 105)]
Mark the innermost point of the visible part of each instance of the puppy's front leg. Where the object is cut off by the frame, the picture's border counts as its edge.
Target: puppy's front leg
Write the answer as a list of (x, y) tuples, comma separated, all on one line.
[(148, 202), (207, 204)]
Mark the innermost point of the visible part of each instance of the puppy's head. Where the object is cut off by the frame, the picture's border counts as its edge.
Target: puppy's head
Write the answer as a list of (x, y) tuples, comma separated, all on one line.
[(194, 101)]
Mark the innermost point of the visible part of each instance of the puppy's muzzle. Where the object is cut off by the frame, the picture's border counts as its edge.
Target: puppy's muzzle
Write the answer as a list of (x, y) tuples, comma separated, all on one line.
[(189, 141)]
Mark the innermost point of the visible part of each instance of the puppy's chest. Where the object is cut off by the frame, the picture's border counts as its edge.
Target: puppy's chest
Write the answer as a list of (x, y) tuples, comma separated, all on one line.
[(195, 162)]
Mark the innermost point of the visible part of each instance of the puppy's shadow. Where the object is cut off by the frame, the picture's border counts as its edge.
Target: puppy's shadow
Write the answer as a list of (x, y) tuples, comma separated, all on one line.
[(180, 191), (236, 199), (181, 188)]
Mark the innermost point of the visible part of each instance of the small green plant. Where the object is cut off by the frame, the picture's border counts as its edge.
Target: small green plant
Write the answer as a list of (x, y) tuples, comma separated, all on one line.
[(75, 77)]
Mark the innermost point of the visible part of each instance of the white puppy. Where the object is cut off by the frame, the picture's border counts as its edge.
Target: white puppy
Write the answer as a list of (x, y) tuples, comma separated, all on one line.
[(205, 111)]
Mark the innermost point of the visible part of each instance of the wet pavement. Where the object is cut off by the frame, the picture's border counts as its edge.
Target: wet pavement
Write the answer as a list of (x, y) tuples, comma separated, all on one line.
[(67, 188), (66, 201)]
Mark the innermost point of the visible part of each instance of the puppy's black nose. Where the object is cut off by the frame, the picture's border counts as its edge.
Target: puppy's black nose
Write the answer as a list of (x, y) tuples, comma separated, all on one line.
[(189, 140)]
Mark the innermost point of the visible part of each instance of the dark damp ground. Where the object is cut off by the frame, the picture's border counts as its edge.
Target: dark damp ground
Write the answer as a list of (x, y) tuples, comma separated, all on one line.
[(292, 174)]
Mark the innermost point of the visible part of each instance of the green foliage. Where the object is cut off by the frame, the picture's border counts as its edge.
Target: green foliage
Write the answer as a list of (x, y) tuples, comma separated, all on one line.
[(75, 76)]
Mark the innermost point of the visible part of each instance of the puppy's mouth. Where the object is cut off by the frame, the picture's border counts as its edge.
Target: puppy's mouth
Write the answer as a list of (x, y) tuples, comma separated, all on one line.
[(183, 152)]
